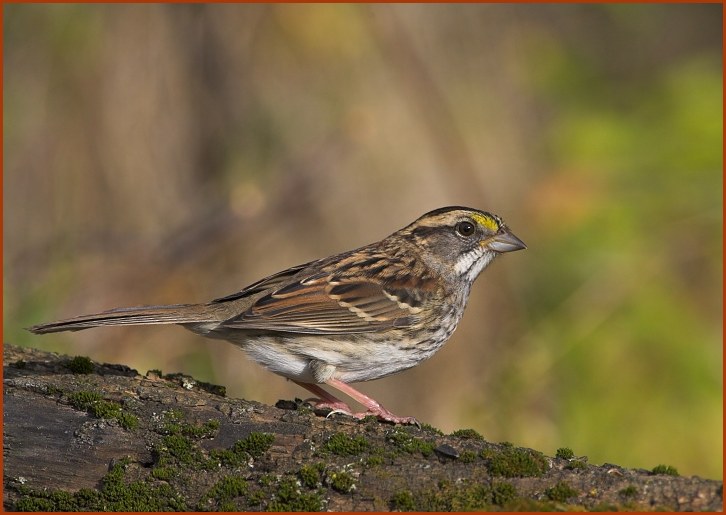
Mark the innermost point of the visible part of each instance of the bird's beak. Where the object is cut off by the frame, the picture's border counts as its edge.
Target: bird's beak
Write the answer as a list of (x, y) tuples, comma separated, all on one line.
[(505, 242)]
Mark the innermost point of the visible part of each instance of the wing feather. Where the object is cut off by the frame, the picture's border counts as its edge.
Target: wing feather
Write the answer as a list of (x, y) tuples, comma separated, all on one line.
[(326, 306), (359, 291)]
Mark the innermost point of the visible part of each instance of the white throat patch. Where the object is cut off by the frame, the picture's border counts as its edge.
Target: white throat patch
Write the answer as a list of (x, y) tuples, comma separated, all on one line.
[(472, 263)]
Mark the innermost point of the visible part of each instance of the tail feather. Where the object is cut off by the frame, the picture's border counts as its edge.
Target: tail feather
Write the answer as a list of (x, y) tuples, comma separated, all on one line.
[(141, 315)]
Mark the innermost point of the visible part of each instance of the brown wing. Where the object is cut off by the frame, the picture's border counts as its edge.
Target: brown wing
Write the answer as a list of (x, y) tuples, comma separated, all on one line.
[(271, 281), (330, 305)]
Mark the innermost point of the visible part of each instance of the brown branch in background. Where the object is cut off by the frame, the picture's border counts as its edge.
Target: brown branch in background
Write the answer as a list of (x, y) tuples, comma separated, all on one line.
[(426, 100)]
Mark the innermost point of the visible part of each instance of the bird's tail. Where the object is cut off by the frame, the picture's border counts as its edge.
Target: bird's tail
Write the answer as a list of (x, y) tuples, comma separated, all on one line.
[(141, 315)]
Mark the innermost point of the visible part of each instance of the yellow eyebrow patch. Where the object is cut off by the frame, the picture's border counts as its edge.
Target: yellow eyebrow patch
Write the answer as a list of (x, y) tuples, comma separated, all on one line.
[(487, 221)]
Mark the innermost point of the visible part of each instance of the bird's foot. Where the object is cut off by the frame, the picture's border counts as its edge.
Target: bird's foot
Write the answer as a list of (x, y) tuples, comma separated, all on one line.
[(327, 401), (383, 414), (386, 416), (333, 406)]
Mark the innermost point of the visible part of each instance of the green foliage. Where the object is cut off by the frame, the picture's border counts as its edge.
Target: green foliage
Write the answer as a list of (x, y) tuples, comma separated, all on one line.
[(163, 473), (468, 434), (403, 501), (629, 491), (174, 423), (289, 497), (344, 445), (80, 365), (406, 442), (564, 453), (665, 469), (226, 489), (503, 493), (374, 460), (182, 448), (341, 481), (428, 428), (311, 475), (467, 456), (447, 496), (515, 462), (256, 444), (83, 400), (561, 492), (94, 404), (576, 465), (115, 494), (253, 446)]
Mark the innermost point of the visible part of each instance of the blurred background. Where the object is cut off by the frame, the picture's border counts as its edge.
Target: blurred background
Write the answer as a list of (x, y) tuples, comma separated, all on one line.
[(176, 153)]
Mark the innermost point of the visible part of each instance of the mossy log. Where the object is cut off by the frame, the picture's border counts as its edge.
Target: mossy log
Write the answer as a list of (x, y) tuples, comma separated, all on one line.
[(79, 435)]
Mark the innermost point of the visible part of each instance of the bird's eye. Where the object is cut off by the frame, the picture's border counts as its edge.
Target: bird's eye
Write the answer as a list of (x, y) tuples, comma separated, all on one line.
[(465, 228)]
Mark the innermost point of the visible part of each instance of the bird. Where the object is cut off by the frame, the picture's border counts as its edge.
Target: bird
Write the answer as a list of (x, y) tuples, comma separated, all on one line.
[(356, 316)]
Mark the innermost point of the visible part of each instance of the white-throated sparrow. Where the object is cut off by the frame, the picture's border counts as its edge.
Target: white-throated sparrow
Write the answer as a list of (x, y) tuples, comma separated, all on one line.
[(356, 316)]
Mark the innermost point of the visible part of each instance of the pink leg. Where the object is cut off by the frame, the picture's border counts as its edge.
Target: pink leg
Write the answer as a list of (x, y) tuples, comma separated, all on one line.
[(326, 399), (374, 408)]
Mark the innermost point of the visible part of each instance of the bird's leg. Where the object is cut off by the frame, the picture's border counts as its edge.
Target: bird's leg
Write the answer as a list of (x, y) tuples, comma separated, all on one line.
[(326, 400), (373, 407)]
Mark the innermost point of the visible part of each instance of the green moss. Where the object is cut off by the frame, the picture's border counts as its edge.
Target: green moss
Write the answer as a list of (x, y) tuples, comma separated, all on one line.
[(105, 409), (181, 448), (227, 457), (561, 492), (137, 495), (403, 501), (468, 434), (408, 443), (83, 400), (188, 382), (629, 491), (52, 389), (428, 428), (175, 423), (564, 453), (502, 493), (343, 445), (30, 503), (515, 462), (228, 506), (255, 445), (94, 404), (369, 420), (163, 473), (80, 365), (227, 489), (289, 497), (310, 475), (341, 481), (448, 496), (179, 445), (127, 420), (665, 469), (467, 457), (266, 480), (576, 465), (115, 495), (374, 460)]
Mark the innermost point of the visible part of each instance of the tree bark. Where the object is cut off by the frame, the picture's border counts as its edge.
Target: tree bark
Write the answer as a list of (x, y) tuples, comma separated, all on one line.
[(80, 435)]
